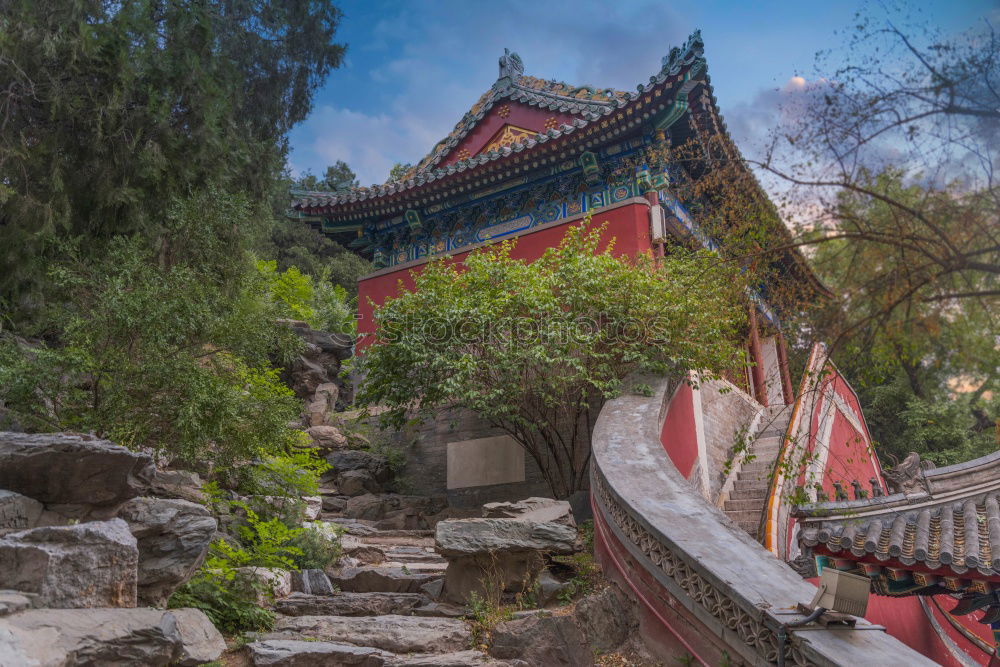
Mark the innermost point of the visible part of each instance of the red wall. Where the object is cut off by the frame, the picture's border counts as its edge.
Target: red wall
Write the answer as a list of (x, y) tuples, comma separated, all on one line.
[(679, 435), (528, 118), (851, 452), (628, 226)]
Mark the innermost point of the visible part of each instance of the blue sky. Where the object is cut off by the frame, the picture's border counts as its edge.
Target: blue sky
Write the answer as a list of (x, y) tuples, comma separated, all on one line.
[(413, 68)]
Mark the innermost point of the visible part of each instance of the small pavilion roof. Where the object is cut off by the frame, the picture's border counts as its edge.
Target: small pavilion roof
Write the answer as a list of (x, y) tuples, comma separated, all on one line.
[(939, 518)]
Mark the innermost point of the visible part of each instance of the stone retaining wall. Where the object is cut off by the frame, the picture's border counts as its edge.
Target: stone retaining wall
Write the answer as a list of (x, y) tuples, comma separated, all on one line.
[(427, 463)]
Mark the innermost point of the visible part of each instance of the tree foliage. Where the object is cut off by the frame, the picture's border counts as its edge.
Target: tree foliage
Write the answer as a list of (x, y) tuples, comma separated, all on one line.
[(884, 164), (537, 348), (111, 110), (398, 171), (339, 177), (167, 352)]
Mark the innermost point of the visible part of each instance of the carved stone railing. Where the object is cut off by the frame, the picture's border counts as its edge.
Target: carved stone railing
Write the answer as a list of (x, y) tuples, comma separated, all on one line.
[(704, 587)]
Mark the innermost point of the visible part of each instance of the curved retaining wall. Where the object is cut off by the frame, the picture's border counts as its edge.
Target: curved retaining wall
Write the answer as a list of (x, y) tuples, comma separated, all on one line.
[(705, 589)]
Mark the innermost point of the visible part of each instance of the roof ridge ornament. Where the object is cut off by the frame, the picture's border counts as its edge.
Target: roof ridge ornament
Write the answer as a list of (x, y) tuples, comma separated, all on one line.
[(693, 48), (511, 65)]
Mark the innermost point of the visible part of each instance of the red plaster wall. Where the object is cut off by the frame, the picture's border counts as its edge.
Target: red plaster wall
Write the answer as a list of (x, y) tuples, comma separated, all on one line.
[(852, 455), (678, 435), (628, 226), (528, 118)]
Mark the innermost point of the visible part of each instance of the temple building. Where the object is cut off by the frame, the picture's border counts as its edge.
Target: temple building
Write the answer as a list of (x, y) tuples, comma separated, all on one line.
[(534, 156)]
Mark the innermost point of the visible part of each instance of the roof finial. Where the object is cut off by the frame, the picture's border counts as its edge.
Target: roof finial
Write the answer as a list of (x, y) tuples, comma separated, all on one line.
[(511, 65)]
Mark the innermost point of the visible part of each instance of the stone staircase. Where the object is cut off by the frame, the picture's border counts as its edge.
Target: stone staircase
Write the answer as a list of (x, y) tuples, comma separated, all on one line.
[(382, 610), (748, 499)]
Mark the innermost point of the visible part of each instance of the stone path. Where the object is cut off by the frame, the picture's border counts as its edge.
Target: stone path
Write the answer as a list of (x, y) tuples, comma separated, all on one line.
[(748, 499), (383, 613)]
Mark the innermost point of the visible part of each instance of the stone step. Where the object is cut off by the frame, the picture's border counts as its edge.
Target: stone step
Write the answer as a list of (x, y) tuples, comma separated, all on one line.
[(392, 632), (417, 566), (757, 466), (380, 579), (743, 515), (756, 504), (350, 604), (749, 526), (273, 652), (753, 476), (412, 554), (424, 539), (750, 484), (748, 493), (369, 531)]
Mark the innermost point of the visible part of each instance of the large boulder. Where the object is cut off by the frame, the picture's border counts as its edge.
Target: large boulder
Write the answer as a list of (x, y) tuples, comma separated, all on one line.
[(112, 637), (356, 459), (541, 640), (357, 482), (180, 484), (173, 537), (311, 582), (19, 512), (268, 582), (395, 633), (68, 469), (319, 363), (470, 537), (487, 556), (326, 437), (322, 403), (200, 642), (90, 564), (607, 618), (542, 510), (376, 507)]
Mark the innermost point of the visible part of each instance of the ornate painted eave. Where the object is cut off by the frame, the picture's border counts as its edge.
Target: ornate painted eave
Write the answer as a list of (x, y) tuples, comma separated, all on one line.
[(938, 518), (681, 72)]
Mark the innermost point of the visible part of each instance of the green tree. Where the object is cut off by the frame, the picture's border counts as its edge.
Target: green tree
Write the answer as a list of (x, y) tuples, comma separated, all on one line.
[(170, 352), (339, 177), (399, 170), (110, 110), (536, 349), (926, 370)]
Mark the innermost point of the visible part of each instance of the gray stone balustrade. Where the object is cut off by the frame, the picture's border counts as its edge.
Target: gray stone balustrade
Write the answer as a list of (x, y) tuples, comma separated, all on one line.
[(739, 592)]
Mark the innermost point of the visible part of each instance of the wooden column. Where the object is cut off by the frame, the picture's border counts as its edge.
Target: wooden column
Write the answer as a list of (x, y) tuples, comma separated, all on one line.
[(757, 370), (786, 376)]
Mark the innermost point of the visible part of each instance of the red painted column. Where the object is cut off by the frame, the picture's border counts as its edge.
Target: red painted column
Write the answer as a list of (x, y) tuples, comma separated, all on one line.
[(786, 376), (757, 370)]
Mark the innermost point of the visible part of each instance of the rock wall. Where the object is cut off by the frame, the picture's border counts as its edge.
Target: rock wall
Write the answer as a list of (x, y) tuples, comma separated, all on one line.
[(83, 542)]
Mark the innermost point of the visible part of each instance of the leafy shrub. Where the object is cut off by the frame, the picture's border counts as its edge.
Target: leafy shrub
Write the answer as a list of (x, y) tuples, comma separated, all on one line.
[(291, 474), (267, 543), (163, 345), (318, 550), (319, 302), (228, 597)]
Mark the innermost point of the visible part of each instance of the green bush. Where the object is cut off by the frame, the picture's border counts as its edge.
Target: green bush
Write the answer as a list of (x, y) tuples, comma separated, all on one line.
[(293, 474), (319, 550), (317, 301), (228, 597), (164, 345)]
